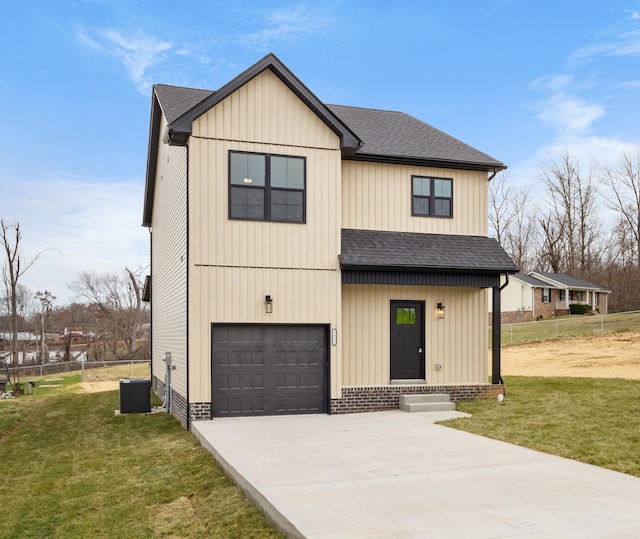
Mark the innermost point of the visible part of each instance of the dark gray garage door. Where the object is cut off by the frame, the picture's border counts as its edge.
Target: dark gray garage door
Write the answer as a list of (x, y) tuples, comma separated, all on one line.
[(268, 369)]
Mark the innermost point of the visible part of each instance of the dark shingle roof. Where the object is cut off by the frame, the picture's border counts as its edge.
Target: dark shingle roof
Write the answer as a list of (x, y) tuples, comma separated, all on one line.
[(569, 282), (396, 134), (424, 252), (532, 281), (175, 100)]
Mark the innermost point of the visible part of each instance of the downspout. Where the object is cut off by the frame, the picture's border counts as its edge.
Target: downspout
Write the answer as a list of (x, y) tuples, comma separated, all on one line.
[(496, 333), (495, 171)]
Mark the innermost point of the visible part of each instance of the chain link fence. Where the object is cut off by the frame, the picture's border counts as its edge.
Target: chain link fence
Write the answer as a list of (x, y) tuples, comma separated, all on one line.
[(578, 326), (88, 370)]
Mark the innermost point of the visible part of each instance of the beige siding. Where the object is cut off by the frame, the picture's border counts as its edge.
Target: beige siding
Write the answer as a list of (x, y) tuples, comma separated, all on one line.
[(236, 295), (220, 241), (235, 263), (378, 197), (169, 265), (458, 343)]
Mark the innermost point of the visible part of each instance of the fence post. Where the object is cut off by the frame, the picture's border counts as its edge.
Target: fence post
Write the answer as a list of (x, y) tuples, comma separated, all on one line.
[(556, 328), (602, 324), (82, 371)]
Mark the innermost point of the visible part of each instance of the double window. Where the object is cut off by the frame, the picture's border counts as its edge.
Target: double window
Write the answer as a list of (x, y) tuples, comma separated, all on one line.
[(265, 187), (432, 197)]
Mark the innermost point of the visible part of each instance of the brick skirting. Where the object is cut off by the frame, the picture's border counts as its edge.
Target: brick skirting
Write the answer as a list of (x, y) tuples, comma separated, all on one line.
[(197, 410), (377, 398)]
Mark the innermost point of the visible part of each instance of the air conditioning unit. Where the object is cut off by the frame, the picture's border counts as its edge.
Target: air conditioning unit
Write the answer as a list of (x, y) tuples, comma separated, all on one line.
[(135, 396)]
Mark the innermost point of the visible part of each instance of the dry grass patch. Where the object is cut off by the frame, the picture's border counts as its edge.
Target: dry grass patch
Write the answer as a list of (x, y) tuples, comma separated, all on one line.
[(615, 355)]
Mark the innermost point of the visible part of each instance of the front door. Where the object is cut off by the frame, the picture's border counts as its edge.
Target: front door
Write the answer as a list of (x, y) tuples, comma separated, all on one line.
[(407, 340)]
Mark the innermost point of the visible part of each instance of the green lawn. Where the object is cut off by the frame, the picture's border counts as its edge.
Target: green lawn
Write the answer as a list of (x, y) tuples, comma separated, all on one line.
[(593, 420), (71, 468)]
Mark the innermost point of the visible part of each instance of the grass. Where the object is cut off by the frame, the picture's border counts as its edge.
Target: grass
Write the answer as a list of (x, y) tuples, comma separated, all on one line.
[(567, 326), (592, 420), (71, 468)]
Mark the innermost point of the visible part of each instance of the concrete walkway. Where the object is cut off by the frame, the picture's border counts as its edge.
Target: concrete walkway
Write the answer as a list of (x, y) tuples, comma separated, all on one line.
[(399, 475)]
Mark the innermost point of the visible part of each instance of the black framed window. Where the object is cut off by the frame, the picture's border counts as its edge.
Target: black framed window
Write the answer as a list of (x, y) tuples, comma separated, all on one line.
[(431, 197), (265, 187)]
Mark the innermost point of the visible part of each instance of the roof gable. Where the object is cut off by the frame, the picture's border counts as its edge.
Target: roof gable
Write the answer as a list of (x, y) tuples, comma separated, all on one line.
[(180, 129)]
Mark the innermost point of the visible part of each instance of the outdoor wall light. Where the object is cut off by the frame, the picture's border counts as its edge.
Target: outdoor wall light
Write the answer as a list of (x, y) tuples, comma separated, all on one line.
[(440, 310), (268, 304)]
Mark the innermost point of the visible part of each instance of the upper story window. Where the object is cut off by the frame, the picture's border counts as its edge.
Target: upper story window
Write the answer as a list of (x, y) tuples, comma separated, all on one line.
[(432, 197), (265, 187)]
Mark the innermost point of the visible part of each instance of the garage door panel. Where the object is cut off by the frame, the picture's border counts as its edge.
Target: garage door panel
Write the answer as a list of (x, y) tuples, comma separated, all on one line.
[(268, 369)]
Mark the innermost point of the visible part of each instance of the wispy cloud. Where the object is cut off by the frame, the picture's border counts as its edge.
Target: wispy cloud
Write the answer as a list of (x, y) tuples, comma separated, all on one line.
[(285, 24), (568, 114), (621, 39), (563, 109), (137, 51)]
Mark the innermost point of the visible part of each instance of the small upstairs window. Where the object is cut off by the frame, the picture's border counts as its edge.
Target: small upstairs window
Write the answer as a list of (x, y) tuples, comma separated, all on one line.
[(264, 187), (431, 197)]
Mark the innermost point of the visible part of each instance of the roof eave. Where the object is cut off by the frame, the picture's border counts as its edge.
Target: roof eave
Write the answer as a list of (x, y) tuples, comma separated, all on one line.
[(427, 162), (426, 269), (152, 160)]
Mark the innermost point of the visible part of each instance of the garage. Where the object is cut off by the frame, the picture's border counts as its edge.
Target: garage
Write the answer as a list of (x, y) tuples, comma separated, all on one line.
[(268, 369)]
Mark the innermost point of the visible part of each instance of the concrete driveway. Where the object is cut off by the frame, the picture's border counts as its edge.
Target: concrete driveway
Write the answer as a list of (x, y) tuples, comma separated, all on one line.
[(395, 474)]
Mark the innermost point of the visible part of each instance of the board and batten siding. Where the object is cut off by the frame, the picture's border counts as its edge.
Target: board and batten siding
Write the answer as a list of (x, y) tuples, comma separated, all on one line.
[(378, 196), (169, 265), (235, 263), (458, 342)]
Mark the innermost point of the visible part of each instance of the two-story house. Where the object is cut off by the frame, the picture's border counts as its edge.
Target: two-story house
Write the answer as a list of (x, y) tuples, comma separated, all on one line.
[(312, 258)]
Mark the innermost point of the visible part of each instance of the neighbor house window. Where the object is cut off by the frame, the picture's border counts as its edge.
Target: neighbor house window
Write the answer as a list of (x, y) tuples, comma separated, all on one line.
[(432, 197), (546, 295), (264, 187), (563, 294)]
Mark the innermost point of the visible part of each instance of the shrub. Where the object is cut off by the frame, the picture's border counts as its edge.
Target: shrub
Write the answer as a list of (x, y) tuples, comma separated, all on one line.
[(578, 308)]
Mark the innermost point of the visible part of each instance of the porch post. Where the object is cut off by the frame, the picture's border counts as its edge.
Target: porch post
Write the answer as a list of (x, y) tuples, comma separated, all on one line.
[(495, 337)]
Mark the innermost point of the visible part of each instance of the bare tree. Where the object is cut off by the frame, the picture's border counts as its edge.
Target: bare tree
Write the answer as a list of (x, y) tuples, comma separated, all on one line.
[(624, 184), (12, 270), (512, 221), (46, 300), (118, 299), (571, 229)]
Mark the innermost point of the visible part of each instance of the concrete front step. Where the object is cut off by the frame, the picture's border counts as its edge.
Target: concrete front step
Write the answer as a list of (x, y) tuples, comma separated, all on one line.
[(434, 402)]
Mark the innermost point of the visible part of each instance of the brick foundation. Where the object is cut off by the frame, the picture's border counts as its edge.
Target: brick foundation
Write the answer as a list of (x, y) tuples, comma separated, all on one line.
[(378, 398), (196, 411)]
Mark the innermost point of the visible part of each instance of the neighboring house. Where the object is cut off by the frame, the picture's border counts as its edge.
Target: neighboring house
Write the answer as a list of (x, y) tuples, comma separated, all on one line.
[(312, 258), (538, 295)]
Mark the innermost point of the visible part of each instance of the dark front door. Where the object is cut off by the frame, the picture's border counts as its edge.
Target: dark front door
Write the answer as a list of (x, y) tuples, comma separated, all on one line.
[(407, 340)]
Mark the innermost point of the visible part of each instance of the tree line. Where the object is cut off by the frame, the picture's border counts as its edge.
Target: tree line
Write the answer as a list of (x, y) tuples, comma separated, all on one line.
[(579, 219)]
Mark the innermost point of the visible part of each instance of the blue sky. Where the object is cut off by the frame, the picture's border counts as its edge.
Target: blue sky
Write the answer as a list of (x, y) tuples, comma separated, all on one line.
[(524, 81)]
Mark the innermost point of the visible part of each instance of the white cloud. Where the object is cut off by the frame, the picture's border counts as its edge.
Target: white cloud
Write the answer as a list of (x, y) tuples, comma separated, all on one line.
[(78, 224), (137, 51), (621, 39), (568, 114), (285, 24)]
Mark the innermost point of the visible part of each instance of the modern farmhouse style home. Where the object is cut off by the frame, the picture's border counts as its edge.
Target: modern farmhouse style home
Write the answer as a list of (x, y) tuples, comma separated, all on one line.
[(313, 258)]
